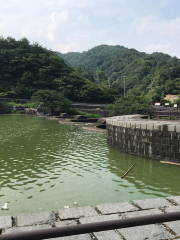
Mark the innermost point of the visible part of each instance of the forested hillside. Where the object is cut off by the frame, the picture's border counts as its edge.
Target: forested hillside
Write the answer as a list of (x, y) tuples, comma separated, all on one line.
[(106, 65), (27, 68)]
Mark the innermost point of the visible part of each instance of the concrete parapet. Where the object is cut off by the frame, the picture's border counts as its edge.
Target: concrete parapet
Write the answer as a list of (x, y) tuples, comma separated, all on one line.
[(147, 138)]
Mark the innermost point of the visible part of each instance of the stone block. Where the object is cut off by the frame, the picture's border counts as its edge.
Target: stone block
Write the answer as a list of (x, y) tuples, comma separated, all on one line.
[(107, 235), (158, 126), (124, 124), (141, 213), (173, 135), (148, 232), (5, 222), (174, 199), (171, 128), (99, 218), (76, 237), (128, 124), (178, 128), (121, 123), (70, 223), (152, 203), (150, 126), (78, 212), (27, 228), (133, 125), (144, 232), (138, 125), (116, 123), (143, 125), (35, 218), (175, 224), (172, 209), (116, 208), (65, 223)]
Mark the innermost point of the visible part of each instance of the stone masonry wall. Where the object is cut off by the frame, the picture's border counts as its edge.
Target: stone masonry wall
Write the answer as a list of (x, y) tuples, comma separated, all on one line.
[(158, 140)]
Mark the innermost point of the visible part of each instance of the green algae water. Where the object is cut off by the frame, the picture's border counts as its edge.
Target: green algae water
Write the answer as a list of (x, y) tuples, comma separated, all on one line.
[(45, 166)]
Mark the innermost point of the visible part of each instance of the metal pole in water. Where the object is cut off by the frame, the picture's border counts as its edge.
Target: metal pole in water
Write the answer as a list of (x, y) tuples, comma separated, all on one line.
[(128, 170)]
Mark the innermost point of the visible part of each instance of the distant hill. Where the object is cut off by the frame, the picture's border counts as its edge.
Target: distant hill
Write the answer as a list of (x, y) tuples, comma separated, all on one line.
[(106, 65), (26, 68)]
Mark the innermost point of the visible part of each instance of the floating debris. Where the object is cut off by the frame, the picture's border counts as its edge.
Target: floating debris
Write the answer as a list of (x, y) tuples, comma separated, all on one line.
[(66, 207), (5, 207)]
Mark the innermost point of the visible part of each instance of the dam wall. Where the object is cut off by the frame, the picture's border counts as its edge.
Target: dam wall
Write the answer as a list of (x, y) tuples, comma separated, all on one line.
[(159, 140)]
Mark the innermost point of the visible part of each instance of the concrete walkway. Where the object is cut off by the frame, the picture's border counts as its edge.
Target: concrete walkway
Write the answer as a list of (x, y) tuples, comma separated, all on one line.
[(82, 215)]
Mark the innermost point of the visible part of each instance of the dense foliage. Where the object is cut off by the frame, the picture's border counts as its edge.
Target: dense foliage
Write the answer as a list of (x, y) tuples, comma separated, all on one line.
[(27, 68), (129, 105), (106, 65), (51, 99)]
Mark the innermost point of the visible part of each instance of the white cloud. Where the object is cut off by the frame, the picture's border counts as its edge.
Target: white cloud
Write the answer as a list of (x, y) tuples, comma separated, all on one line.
[(150, 48), (78, 25), (105, 12), (154, 25), (2, 25), (56, 19), (64, 48)]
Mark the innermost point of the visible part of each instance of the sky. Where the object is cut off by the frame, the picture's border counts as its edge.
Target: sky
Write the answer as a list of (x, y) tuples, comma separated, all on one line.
[(79, 25)]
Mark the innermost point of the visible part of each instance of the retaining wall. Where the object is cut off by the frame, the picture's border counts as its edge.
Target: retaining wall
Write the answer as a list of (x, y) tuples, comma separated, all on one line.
[(30, 111), (158, 140)]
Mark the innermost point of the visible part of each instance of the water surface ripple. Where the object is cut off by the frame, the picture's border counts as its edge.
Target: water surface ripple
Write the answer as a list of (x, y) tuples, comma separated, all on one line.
[(46, 166)]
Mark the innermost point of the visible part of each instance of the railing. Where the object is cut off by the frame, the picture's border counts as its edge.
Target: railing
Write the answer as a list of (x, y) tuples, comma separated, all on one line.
[(167, 114), (92, 227)]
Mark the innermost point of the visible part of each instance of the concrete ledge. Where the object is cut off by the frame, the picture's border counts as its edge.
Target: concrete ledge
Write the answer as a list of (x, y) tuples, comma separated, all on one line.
[(128, 120), (83, 215), (5, 222), (35, 218), (77, 212)]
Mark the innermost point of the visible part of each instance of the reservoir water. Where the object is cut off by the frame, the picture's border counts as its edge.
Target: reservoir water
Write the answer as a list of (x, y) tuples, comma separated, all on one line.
[(45, 166)]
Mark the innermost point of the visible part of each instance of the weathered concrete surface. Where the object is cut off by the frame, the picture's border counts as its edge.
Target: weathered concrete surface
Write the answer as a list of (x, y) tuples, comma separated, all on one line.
[(152, 203), (158, 140), (28, 228), (116, 208), (77, 237), (83, 215), (175, 224), (174, 199), (152, 231), (65, 223), (99, 218), (141, 213), (5, 222), (35, 218), (106, 235), (77, 212), (148, 232)]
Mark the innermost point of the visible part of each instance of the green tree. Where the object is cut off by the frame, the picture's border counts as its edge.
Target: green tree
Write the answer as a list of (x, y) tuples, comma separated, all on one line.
[(51, 99)]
